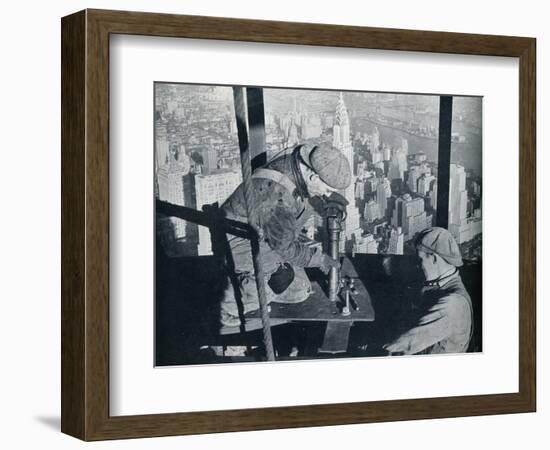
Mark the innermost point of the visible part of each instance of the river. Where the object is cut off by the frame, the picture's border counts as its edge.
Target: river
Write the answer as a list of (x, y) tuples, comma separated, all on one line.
[(467, 154)]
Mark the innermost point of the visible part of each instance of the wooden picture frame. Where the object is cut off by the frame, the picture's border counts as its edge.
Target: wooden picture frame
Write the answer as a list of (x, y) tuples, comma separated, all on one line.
[(85, 224)]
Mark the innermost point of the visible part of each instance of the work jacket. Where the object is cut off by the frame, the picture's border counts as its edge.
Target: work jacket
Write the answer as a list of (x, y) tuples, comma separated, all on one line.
[(278, 209), (443, 322)]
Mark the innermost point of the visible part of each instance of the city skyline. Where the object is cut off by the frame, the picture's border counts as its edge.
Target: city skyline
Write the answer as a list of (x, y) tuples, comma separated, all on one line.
[(388, 139)]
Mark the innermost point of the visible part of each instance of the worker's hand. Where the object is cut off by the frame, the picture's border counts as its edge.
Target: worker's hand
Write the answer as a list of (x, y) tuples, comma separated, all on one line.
[(336, 202), (328, 263), (400, 346), (323, 261)]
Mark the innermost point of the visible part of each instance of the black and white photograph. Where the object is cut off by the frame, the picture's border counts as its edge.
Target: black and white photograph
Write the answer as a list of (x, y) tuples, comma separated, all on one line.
[(299, 224), (263, 225)]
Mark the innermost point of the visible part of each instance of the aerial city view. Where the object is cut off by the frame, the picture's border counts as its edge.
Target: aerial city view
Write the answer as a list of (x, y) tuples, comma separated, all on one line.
[(390, 139)]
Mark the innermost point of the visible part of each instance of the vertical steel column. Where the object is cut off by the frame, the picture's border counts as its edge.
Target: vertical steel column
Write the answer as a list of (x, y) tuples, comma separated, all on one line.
[(256, 126), (246, 166), (444, 160)]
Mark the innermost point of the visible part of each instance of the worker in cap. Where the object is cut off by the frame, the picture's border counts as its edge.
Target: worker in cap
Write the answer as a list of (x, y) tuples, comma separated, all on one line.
[(443, 322), (286, 192), (329, 164), (439, 241)]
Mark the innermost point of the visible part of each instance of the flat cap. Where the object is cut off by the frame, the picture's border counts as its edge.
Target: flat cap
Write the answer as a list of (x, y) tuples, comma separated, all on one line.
[(329, 163), (441, 242)]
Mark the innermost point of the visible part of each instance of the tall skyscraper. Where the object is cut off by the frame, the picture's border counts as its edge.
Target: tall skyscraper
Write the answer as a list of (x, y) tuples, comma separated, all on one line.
[(425, 183), (371, 211), (360, 190), (458, 196), (397, 216), (292, 137), (171, 189), (409, 214), (371, 185), (375, 156), (365, 244), (404, 146), (341, 133), (461, 227), (210, 159), (361, 170), (212, 188), (398, 165), (162, 152), (396, 243), (341, 142), (386, 150), (413, 176), (476, 188), (375, 140), (383, 191), (432, 195)]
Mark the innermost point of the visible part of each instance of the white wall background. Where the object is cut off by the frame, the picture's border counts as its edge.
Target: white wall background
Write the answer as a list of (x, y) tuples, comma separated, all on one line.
[(30, 222)]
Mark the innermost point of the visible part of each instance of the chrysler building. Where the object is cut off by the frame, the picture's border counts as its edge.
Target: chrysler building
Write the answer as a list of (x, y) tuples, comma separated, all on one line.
[(342, 142)]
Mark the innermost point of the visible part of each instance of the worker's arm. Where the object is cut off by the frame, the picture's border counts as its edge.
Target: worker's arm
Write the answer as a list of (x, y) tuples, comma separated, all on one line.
[(279, 227), (281, 233), (437, 324)]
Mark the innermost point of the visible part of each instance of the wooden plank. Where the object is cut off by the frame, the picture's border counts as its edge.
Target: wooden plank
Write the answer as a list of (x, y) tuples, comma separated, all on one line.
[(319, 308)]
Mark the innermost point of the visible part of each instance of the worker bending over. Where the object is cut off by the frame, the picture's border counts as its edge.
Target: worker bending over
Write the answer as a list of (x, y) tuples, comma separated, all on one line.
[(283, 191)]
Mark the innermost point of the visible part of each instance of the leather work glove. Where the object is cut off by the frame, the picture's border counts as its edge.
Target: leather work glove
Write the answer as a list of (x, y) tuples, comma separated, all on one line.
[(336, 202)]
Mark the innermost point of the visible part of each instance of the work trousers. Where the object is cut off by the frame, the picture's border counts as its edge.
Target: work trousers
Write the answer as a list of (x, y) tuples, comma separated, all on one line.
[(241, 252)]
